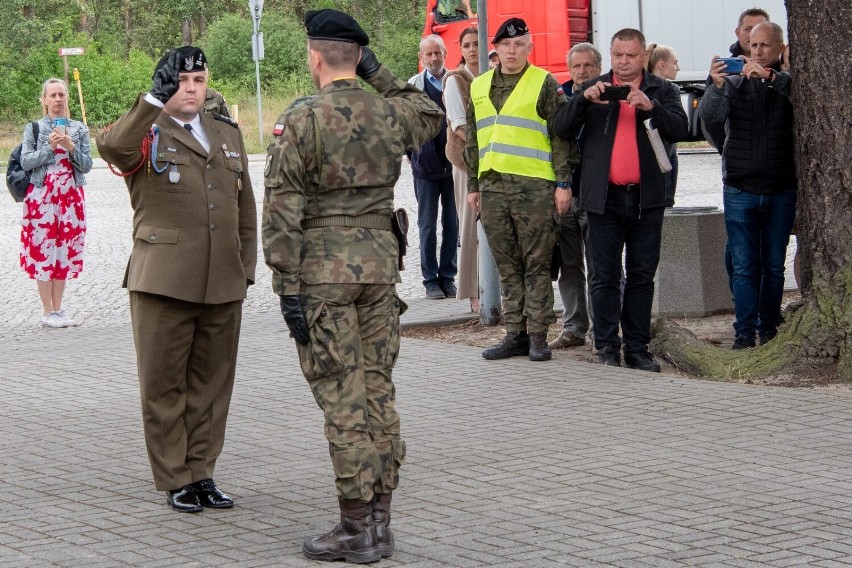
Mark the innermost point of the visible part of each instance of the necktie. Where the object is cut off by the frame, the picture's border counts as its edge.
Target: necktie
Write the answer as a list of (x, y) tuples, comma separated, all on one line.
[(188, 127)]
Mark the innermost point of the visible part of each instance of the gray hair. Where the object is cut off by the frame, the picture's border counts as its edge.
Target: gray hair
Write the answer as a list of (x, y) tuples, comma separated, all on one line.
[(583, 48), (777, 31), (433, 38)]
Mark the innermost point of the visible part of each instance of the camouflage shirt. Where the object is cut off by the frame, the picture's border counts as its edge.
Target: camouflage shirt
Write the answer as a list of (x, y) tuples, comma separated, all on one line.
[(339, 154), (565, 153)]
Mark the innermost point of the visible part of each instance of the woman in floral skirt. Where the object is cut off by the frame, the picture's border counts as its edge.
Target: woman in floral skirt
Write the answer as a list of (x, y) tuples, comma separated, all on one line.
[(53, 229)]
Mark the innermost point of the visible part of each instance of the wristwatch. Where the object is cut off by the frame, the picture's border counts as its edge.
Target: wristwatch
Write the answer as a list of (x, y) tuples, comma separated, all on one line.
[(563, 185)]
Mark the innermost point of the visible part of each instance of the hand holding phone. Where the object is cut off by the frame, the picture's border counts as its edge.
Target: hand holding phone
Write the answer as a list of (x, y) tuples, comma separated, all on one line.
[(733, 65)]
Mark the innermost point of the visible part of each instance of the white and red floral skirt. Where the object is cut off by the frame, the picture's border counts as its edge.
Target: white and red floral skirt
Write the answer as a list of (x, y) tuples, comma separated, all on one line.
[(53, 229)]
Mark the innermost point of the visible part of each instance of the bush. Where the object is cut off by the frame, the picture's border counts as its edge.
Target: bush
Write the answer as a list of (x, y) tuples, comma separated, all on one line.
[(228, 49)]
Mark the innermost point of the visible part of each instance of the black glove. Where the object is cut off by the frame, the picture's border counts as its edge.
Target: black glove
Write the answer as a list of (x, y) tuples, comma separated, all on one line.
[(368, 64), (166, 79), (294, 317)]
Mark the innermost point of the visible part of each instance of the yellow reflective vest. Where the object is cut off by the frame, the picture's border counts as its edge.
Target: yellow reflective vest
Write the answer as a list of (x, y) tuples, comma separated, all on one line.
[(515, 141)]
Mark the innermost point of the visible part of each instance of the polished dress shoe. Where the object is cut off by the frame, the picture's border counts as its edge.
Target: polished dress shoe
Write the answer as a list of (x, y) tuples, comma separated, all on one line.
[(184, 500), (210, 495)]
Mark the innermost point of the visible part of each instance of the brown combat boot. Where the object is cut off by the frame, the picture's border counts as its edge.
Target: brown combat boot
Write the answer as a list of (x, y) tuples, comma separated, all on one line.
[(515, 343), (353, 539), (539, 351), (381, 504)]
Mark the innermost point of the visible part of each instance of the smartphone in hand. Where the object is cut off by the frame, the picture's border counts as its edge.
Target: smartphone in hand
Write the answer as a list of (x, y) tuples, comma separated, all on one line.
[(733, 65), (60, 123), (615, 93)]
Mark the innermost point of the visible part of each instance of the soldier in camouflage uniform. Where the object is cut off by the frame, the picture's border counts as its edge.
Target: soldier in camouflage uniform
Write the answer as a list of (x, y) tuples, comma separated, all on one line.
[(327, 236), (214, 102), (518, 177)]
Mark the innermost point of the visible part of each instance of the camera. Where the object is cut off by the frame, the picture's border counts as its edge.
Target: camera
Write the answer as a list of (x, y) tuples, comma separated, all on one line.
[(615, 93), (733, 65)]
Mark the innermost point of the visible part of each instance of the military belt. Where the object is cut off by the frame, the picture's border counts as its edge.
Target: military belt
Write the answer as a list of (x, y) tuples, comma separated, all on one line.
[(368, 221)]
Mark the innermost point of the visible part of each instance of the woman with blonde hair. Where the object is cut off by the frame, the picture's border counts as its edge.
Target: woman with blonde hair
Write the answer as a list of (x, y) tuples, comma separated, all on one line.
[(53, 228), (662, 61), (456, 98)]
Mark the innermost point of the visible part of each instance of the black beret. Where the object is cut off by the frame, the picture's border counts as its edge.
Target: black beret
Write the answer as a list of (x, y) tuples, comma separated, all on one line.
[(335, 26), (192, 59), (513, 27)]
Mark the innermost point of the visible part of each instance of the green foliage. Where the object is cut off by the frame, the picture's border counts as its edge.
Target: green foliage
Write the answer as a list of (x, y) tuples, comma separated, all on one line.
[(124, 39), (111, 85), (284, 66)]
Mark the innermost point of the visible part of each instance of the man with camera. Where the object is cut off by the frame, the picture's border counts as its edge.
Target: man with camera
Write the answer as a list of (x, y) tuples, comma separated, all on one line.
[(759, 178), (624, 192)]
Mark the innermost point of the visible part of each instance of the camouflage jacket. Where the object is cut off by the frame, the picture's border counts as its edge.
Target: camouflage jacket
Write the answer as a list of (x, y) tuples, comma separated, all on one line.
[(335, 159), (214, 101), (565, 153)]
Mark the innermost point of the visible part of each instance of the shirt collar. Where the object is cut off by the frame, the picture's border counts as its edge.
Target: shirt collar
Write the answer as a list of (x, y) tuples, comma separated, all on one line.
[(437, 83)]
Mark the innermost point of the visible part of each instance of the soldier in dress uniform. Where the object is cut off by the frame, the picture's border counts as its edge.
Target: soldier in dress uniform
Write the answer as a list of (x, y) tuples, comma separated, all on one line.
[(194, 254), (327, 236)]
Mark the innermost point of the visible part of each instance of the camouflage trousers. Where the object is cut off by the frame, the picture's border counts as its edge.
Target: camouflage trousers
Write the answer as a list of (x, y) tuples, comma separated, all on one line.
[(521, 234), (354, 344)]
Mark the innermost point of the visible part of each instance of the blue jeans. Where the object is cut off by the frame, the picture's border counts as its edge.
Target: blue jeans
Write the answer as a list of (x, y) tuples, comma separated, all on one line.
[(429, 194), (623, 227), (758, 229)]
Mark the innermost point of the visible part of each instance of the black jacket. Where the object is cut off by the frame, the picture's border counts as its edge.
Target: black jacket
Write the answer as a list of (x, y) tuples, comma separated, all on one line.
[(598, 122), (759, 153)]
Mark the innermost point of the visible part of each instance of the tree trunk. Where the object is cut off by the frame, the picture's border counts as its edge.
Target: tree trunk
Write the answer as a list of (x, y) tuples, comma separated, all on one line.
[(822, 61), (186, 31), (819, 330)]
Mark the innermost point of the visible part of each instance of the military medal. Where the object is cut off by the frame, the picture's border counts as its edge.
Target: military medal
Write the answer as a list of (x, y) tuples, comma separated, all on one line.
[(174, 174)]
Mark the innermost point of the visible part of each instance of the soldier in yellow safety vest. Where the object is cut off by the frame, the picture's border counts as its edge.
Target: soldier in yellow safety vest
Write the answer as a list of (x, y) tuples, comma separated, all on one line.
[(518, 179)]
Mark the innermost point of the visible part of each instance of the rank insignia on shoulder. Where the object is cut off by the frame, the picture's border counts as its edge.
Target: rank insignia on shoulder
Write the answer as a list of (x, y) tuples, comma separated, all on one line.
[(225, 119), (278, 129)]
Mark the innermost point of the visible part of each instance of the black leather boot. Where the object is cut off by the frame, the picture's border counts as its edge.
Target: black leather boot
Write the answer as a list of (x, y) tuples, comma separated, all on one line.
[(353, 539), (539, 350), (514, 344), (381, 504)]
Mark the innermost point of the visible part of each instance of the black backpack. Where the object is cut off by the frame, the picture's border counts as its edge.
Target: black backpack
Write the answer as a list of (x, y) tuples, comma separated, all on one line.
[(17, 179)]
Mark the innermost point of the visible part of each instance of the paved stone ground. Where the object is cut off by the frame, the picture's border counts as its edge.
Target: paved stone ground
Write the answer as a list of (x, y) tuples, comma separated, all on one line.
[(510, 464)]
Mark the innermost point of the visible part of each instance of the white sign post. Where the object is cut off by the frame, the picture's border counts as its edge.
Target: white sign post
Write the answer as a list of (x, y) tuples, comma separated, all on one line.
[(65, 52), (255, 8)]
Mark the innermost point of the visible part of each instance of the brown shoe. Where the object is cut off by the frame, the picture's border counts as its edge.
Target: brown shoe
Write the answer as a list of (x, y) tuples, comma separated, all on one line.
[(381, 518), (565, 340), (353, 539)]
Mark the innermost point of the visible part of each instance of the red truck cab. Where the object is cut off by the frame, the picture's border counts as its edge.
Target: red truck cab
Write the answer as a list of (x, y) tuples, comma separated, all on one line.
[(555, 25)]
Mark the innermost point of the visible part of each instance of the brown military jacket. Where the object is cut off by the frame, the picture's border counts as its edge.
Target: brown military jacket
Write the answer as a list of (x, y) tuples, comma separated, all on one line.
[(335, 159), (195, 238)]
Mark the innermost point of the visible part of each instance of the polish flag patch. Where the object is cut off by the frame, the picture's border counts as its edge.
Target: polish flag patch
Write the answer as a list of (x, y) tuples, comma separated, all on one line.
[(278, 129), (560, 90)]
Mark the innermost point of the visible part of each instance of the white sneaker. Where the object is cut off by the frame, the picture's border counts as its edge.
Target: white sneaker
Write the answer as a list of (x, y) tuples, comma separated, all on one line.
[(65, 320), (52, 320), (57, 319)]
